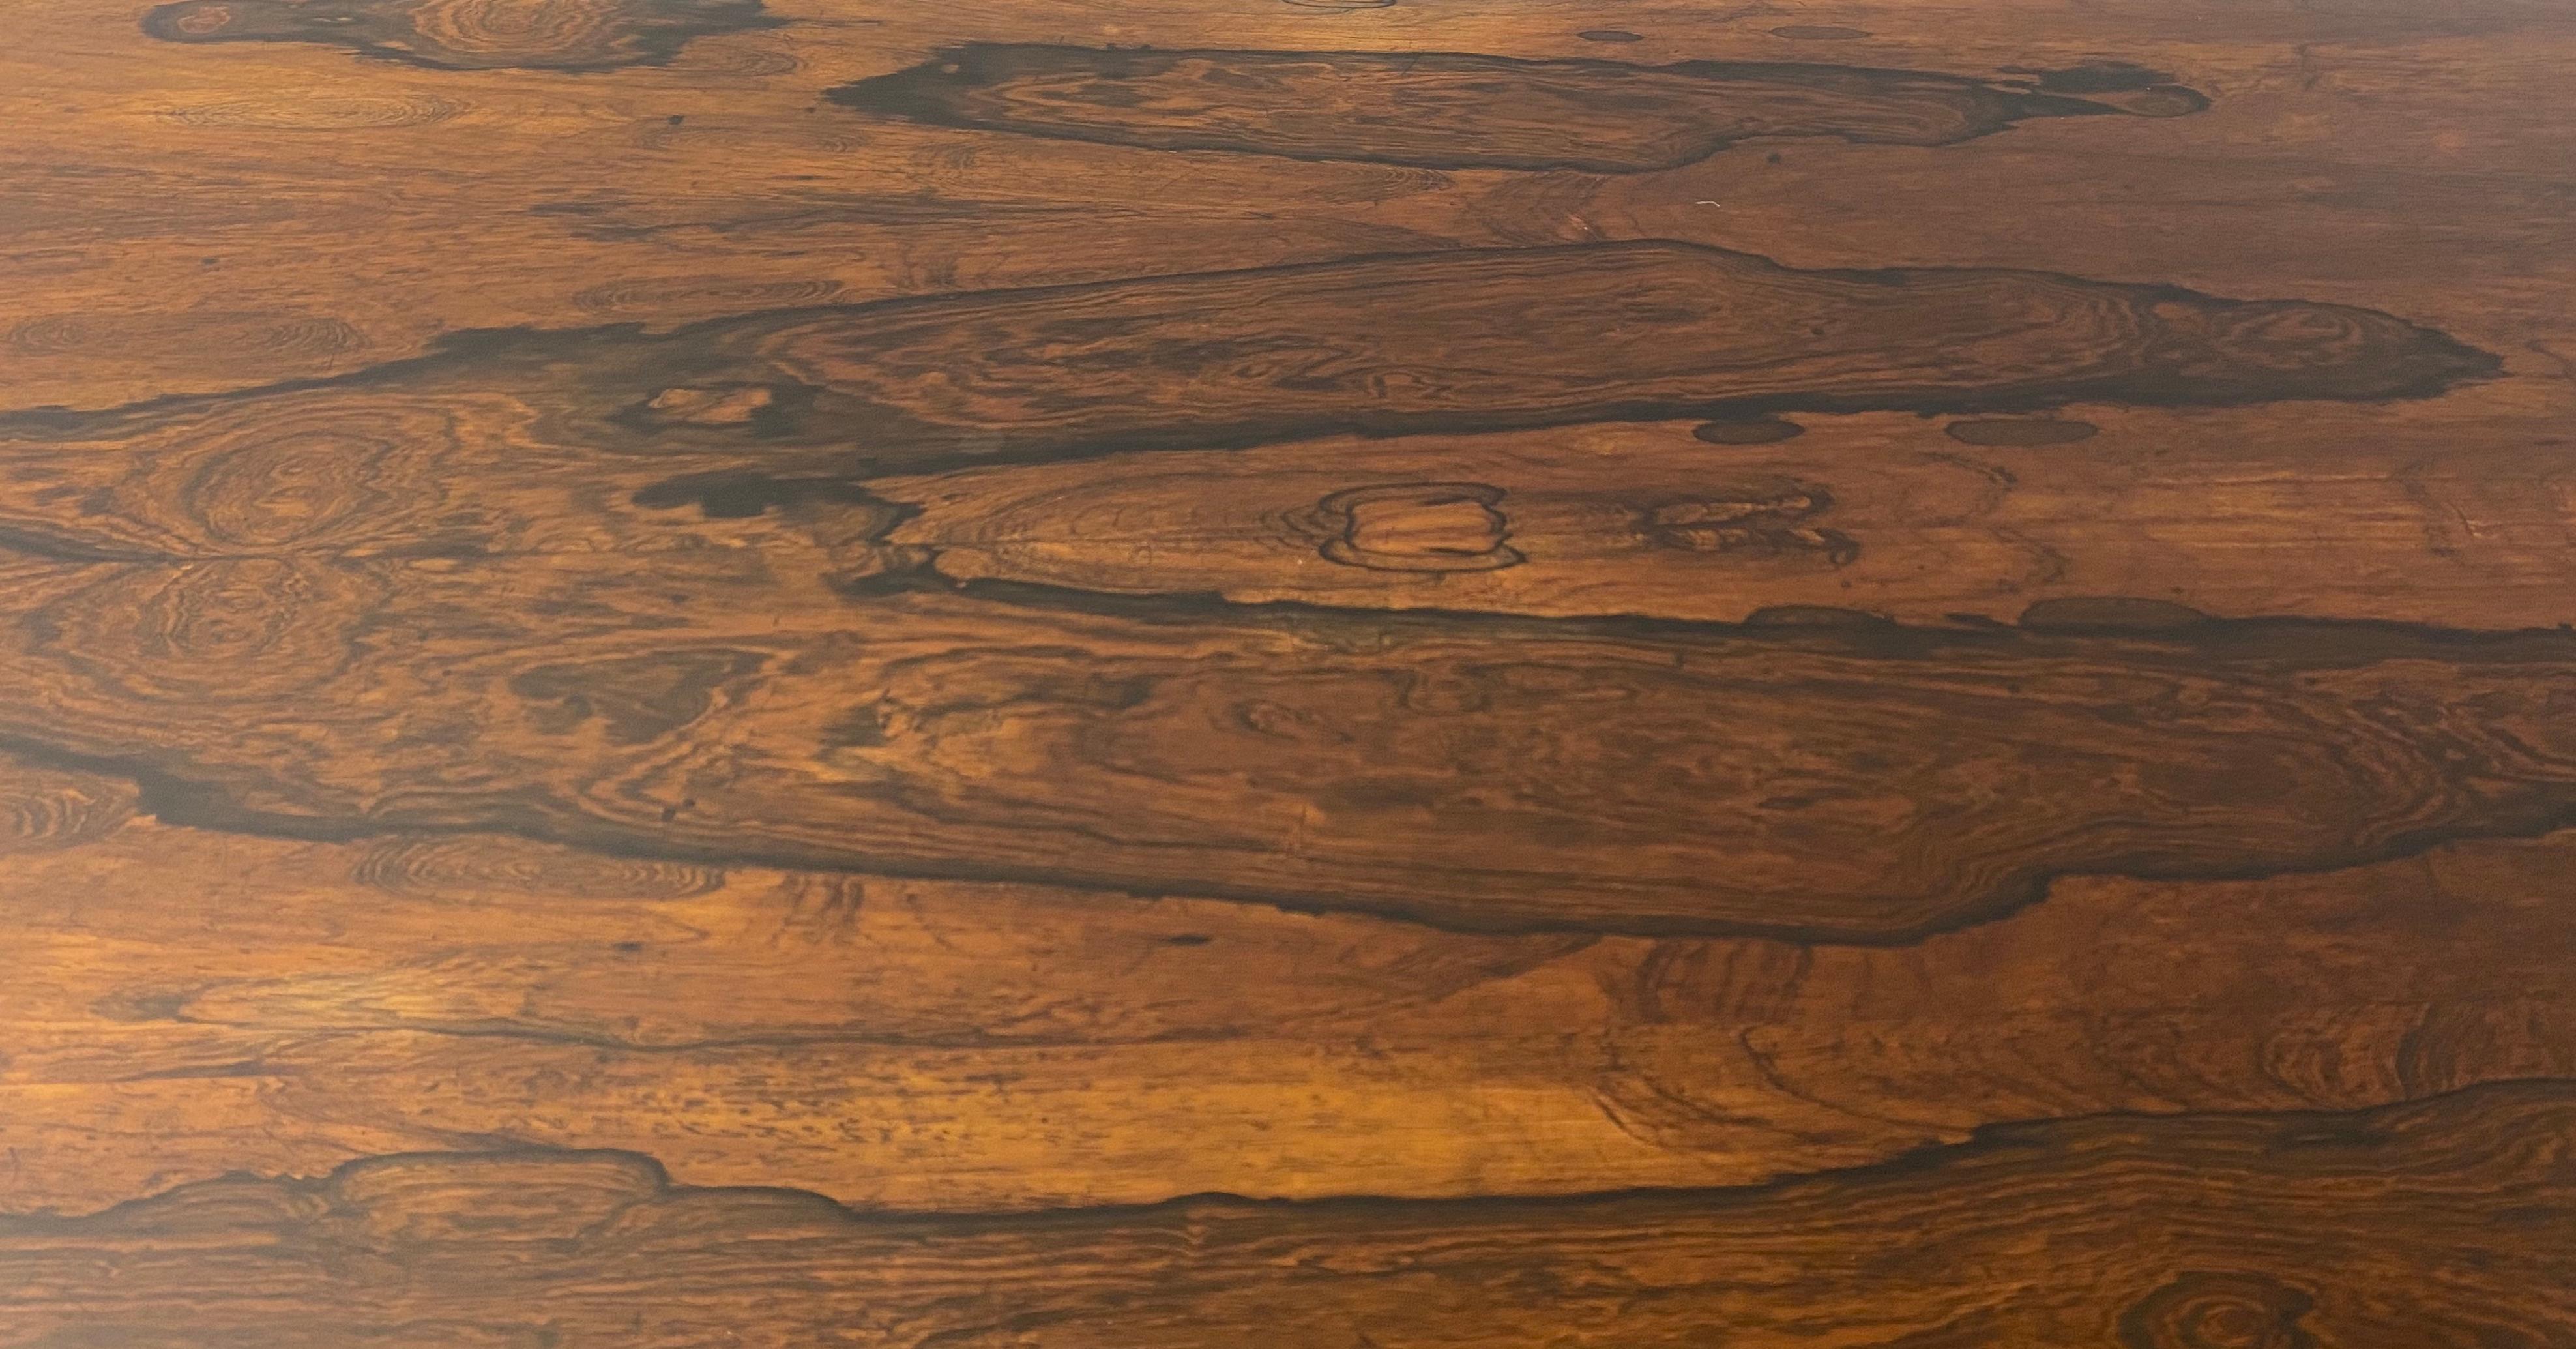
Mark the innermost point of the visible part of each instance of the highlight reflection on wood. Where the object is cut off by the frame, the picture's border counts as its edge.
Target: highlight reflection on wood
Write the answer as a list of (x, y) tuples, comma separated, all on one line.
[(1303, 672)]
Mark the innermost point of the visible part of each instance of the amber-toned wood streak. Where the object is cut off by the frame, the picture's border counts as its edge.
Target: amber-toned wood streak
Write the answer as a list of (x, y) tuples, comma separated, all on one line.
[(2224, 1234), (1308, 672)]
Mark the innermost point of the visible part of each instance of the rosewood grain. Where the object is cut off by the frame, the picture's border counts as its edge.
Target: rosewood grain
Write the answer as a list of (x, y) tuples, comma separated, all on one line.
[(186, 1003), (1934, 529), (1380, 346), (1476, 771), (571, 35), (1924, 529), (1449, 110), (2153, 1233)]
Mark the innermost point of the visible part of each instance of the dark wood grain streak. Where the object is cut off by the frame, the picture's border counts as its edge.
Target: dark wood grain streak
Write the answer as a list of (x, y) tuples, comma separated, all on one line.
[(184, 1003), (1878, 512), (568, 35), (2146, 1233), (1383, 346), (1845, 781), (1448, 110)]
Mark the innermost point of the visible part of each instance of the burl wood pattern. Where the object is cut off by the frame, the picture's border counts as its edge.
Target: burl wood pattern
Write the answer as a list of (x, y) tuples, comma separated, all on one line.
[(1300, 672)]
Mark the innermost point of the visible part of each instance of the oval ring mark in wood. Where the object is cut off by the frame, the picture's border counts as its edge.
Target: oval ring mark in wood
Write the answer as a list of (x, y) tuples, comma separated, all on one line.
[(1421, 526)]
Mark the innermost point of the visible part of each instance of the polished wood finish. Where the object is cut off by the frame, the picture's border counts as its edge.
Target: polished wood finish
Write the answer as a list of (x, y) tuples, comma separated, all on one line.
[(1337, 672), (2215, 1239)]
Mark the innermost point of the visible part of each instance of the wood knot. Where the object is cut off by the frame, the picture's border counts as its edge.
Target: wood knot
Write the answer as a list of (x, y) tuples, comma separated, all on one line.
[(1771, 520), (1414, 526), (2219, 1311)]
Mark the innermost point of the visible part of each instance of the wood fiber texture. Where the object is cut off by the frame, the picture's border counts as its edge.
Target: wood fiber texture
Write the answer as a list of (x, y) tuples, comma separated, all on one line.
[(2231, 1231), (1355, 673), (1448, 110)]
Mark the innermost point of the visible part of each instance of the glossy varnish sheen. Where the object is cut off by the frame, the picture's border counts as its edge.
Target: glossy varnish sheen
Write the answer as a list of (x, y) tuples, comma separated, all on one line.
[(1354, 673)]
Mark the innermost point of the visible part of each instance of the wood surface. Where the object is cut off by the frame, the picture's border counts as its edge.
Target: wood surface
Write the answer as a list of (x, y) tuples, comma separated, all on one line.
[(1288, 672)]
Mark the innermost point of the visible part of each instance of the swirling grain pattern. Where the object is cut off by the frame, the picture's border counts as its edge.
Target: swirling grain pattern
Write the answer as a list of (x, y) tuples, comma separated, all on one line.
[(1905, 523), (310, 475), (1861, 784), (1901, 522), (484, 868), (933, 1045), (2158, 1233), (1447, 110), (469, 34), (43, 808), (1396, 345)]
